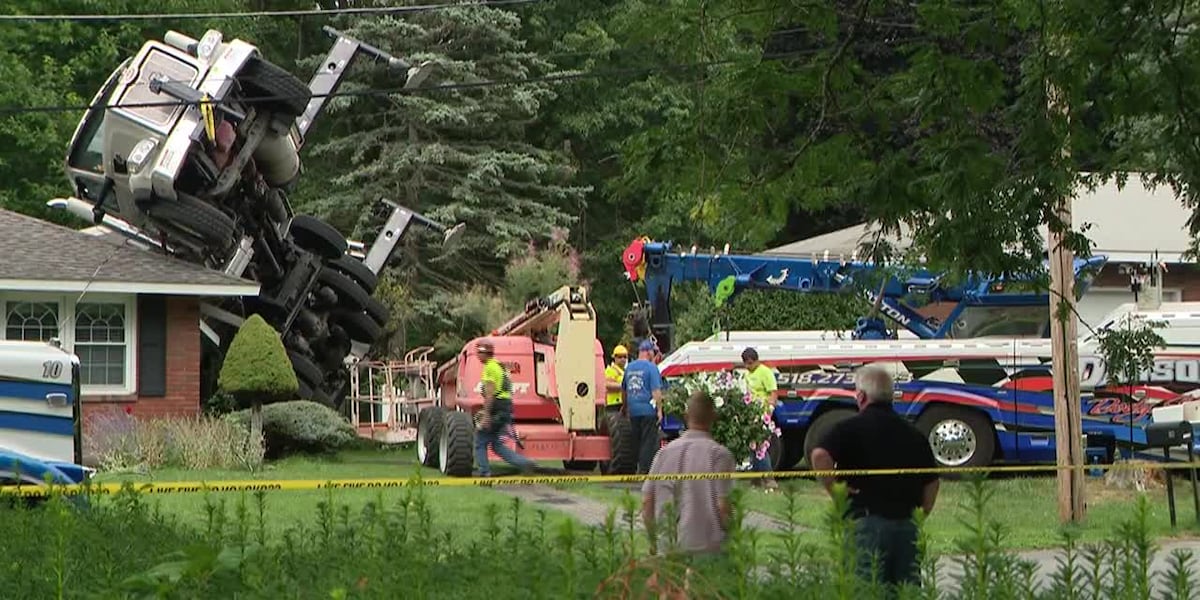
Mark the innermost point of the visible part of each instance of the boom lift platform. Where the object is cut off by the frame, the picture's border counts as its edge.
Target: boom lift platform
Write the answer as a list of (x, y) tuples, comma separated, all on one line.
[(557, 369), (660, 266), (387, 396)]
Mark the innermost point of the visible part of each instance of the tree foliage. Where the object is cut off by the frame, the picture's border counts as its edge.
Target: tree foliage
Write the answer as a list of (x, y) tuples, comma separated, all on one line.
[(256, 367)]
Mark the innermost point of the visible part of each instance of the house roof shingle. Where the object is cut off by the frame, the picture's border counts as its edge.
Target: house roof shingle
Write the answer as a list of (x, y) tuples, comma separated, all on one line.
[(58, 258)]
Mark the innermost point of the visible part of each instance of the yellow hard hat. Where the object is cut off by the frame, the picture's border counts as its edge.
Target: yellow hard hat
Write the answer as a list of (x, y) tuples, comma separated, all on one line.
[(620, 350)]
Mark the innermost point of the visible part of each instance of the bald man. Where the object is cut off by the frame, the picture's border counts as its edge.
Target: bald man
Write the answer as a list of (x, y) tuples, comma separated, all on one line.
[(703, 509)]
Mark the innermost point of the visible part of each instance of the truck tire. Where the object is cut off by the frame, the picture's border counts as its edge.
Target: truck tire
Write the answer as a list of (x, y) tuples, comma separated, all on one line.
[(306, 371), (356, 270), (792, 449), (350, 295), (307, 392), (280, 91), (199, 218), (358, 325), (822, 425), (959, 437), (317, 236), (587, 466), (456, 445), (378, 311), (429, 434), (622, 453)]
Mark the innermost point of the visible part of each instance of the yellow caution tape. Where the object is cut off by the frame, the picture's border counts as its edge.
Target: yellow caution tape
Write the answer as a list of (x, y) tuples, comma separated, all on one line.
[(190, 487)]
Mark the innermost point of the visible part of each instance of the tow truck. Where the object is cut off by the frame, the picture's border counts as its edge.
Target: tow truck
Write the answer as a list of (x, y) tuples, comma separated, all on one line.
[(557, 367), (979, 301), (191, 147)]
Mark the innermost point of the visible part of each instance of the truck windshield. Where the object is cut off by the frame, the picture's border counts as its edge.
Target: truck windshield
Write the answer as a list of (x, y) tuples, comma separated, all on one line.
[(1007, 321), (87, 152)]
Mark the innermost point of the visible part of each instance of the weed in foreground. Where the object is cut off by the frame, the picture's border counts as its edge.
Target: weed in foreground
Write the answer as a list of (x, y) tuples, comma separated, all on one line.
[(121, 546)]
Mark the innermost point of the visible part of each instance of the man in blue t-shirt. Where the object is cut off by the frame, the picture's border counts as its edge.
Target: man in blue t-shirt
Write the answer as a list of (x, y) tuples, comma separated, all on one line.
[(641, 391)]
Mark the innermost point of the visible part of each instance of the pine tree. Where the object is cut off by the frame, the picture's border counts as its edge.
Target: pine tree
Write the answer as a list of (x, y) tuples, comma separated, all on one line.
[(456, 154)]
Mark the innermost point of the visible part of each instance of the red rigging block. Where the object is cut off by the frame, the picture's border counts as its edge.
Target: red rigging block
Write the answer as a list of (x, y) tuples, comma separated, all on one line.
[(529, 364), (632, 259)]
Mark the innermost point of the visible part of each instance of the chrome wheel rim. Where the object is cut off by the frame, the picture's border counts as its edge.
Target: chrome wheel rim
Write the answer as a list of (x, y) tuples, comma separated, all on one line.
[(953, 442)]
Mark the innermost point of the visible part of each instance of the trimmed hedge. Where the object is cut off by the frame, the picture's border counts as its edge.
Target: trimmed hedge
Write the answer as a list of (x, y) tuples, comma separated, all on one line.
[(256, 365), (300, 427)]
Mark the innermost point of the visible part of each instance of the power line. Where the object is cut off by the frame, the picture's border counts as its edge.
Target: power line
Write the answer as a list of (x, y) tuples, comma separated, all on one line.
[(265, 13), (558, 78)]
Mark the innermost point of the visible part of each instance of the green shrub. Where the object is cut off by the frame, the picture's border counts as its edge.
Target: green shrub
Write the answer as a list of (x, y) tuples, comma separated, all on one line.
[(300, 426), (256, 367)]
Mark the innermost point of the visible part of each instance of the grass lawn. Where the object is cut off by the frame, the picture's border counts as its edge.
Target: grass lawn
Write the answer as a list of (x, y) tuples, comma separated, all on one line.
[(1026, 507), (458, 509)]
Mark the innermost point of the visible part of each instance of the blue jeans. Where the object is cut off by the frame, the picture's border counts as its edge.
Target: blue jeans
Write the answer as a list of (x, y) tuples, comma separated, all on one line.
[(762, 465), (494, 439)]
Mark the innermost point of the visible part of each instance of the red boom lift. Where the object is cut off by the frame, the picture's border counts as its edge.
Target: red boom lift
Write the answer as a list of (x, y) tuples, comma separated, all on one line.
[(557, 370)]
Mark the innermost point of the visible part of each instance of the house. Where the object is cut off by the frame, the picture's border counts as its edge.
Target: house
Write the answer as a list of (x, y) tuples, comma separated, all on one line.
[(1133, 226), (132, 316)]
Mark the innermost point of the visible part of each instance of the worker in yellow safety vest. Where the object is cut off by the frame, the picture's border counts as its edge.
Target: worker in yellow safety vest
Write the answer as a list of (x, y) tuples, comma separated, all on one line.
[(613, 376)]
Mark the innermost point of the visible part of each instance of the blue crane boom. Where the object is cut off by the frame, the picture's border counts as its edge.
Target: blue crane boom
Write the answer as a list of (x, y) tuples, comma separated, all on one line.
[(659, 266)]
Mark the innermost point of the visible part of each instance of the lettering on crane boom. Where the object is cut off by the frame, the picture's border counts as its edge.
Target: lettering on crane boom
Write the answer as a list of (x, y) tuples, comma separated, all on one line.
[(1093, 373)]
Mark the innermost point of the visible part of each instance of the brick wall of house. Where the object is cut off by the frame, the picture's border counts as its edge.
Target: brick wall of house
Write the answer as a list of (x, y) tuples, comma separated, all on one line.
[(182, 372)]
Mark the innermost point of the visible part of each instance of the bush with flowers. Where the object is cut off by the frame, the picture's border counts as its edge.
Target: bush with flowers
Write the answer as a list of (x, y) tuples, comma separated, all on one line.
[(743, 425)]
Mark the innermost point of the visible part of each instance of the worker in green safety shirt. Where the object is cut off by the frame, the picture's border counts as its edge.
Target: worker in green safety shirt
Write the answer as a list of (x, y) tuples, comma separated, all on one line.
[(613, 375), (496, 416), (763, 388)]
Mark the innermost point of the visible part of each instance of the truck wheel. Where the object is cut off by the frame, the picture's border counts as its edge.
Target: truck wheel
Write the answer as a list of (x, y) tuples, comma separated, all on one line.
[(378, 311), (429, 434), (456, 445), (622, 453), (356, 270), (261, 79), (317, 236), (305, 370), (822, 425), (959, 437), (792, 449), (197, 217), (350, 295), (358, 325), (307, 392)]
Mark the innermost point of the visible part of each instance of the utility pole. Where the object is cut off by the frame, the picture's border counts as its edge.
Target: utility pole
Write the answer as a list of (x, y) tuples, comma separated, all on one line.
[(1064, 347), (1064, 344)]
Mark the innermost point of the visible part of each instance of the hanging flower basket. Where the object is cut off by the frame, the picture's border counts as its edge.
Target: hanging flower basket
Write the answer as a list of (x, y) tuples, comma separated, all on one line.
[(743, 425)]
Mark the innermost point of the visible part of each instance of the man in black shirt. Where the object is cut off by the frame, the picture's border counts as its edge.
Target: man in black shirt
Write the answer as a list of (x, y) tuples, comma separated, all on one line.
[(881, 505)]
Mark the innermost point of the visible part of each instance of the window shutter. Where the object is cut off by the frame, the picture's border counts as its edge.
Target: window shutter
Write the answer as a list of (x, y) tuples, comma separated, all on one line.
[(152, 346)]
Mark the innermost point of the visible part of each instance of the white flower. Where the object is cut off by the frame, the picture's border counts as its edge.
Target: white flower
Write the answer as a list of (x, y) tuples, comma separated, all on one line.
[(719, 402)]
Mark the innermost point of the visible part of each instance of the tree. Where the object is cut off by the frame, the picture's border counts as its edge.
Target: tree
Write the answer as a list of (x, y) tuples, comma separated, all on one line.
[(257, 370)]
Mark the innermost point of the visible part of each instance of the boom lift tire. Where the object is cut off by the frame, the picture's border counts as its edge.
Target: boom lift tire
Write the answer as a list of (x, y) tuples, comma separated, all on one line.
[(356, 270), (456, 449), (317, 236), (189, 213), (280, 91), (586, 466), (822, 426), (622, 453), (429, 433)]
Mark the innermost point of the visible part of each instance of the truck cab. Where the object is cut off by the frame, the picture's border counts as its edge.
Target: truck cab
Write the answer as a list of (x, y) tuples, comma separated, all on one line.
[(40, 415)]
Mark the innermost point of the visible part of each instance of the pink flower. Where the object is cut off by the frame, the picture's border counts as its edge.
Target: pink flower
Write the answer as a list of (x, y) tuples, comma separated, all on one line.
[(748, 399), (753, 445), (766, 444), (766, 419), (760, 454)]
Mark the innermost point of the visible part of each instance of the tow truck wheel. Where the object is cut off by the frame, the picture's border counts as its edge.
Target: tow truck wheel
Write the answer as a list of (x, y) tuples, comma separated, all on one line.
[(317, 236), (791, 449), (959, 437), (822, 425), (456, 445), (623, 454), (429, 434)]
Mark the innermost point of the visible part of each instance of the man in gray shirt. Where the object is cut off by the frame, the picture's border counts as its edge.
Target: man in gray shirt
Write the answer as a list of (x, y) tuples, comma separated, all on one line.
[(701, 507)]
